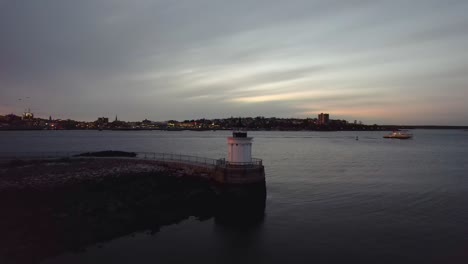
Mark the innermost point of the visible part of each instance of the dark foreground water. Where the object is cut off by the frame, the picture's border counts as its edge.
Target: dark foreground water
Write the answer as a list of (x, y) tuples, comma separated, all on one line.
[(330, 198)]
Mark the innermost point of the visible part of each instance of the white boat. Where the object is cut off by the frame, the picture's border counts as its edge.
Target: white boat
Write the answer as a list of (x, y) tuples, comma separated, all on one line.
[(399, 135)]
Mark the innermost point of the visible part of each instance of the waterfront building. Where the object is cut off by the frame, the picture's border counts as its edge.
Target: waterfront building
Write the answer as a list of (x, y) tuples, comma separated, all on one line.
[(102, 120), (323, 119)]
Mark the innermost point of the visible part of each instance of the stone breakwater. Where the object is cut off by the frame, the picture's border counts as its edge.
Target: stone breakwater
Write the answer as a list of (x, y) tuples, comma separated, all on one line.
[(52, 207), (43, 174)]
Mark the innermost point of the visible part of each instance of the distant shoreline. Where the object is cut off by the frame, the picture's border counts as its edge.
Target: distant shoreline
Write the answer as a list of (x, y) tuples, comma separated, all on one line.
[(380, 128)]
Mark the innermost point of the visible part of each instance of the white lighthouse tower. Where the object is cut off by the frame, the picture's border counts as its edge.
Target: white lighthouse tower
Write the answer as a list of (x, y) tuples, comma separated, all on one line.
[(239, 147)]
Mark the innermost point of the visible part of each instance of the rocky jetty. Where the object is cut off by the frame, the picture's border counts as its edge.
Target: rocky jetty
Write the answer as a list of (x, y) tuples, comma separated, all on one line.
[(54, 206), (32, 175), (50, 207)]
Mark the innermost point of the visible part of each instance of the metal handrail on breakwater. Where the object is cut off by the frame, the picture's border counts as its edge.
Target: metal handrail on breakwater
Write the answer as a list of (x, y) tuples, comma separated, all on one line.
[(177, 158), (174, 157)]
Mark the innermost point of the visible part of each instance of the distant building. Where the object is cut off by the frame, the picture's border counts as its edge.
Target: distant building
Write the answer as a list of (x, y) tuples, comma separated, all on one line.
[(27, 115), (146, 122), (323, 119), (102, 120)]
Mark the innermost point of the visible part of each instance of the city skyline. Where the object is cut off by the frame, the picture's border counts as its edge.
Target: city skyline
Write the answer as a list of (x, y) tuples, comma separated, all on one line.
[(29, 115), (385, 62)]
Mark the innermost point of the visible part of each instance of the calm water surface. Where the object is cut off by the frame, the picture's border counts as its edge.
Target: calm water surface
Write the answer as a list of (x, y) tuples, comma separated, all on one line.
[(330, 198)]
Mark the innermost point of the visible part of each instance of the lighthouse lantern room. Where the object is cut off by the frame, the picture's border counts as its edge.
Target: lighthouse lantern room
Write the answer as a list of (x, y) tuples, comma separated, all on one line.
[(239, 146)]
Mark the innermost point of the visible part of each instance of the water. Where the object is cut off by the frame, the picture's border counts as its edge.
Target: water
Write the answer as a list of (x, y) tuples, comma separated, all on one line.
[(331, 198)]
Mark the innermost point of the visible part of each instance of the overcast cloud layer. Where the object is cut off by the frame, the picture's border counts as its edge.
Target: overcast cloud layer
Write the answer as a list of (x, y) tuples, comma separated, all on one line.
[(386, 62)]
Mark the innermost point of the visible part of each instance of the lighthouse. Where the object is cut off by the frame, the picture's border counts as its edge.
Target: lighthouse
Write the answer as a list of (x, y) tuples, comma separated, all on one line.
[(239, 147)]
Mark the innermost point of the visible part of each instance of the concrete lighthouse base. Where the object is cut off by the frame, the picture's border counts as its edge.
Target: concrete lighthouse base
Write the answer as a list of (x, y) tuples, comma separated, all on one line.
[(239, 174)]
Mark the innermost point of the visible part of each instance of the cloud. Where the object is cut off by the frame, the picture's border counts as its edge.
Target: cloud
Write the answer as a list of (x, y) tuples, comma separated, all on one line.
[(170, 59)]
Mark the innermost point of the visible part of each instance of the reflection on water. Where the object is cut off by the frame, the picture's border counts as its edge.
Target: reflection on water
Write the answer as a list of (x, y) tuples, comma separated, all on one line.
[(241, 207)]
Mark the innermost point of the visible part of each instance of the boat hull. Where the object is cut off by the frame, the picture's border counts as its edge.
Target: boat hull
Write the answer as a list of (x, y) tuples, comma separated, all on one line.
[(398, 137)]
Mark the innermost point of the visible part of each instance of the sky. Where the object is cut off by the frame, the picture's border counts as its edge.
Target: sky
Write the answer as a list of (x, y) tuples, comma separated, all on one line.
[(384, 62)]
